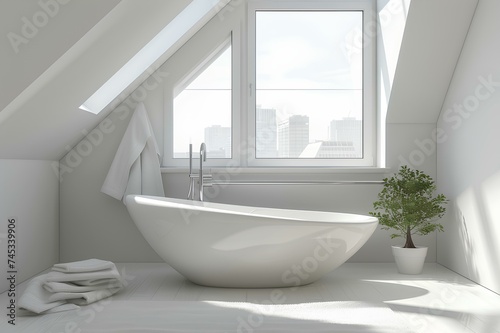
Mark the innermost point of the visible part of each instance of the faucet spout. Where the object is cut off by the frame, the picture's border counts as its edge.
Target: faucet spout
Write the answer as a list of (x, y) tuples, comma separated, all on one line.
[(191, 191), (203, 158)]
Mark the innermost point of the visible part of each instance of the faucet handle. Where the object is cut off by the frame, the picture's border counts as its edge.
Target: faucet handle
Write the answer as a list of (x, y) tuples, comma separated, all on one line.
[(196, 176)]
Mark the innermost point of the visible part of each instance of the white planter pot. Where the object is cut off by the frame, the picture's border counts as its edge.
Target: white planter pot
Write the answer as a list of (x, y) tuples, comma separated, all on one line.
[(409, 261)]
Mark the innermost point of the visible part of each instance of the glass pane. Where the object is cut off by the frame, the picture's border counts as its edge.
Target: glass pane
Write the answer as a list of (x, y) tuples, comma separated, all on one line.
[(309, 124), (202, 111), (309, 84), (215, 76)]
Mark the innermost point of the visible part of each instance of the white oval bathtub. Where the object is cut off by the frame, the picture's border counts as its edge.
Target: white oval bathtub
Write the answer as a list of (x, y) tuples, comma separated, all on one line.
[(222, 245)]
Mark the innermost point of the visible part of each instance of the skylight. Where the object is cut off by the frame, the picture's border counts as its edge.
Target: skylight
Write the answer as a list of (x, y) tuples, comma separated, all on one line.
[(160, 44)]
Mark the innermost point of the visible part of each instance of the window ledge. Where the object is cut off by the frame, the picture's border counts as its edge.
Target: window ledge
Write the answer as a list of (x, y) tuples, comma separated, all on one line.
[(280, 170)]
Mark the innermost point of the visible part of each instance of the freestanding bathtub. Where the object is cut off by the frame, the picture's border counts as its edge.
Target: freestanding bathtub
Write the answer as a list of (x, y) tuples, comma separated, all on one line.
[(221, 245)]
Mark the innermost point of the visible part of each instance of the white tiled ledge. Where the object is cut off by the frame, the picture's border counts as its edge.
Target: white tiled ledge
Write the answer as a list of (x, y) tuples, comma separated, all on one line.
[(279, 170)]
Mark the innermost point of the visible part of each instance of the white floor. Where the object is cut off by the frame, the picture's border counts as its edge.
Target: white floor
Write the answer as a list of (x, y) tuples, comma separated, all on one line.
[(436, 301)]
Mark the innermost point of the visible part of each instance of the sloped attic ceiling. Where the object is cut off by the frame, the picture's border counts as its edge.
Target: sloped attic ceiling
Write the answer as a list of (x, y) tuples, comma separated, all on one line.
[(42, 118), (434, 35), (37, 35)]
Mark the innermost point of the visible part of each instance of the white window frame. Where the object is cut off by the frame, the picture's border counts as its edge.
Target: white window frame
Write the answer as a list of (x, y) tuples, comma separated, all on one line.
[(234, 41), (369, 82), (243, 92)]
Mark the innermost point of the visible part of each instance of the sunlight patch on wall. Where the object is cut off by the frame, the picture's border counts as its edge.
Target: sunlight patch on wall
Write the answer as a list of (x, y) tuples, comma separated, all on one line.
[(490, 195), (479, 207)]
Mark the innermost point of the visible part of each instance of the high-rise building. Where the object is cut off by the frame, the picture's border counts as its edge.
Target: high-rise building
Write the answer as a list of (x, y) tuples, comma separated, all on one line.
[(293, 136), (348, 129), (218, 141), (266, 133)]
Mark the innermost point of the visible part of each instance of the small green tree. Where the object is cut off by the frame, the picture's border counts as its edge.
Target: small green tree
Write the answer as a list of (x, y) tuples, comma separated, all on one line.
[(407, 205)]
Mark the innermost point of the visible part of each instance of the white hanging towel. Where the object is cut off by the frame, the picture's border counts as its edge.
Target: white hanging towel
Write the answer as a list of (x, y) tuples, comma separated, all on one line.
[(136, 166)]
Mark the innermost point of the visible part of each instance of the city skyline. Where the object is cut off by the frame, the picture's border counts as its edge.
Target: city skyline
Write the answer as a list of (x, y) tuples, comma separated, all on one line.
[(289, 138)]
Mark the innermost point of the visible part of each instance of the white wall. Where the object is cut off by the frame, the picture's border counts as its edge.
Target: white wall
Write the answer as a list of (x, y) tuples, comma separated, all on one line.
[(433, 39), (29, 191), (469, 158), (95, 225), (40, 27)]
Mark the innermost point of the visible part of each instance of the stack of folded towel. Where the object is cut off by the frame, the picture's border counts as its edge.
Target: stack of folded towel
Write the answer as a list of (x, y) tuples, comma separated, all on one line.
[(71, 284)]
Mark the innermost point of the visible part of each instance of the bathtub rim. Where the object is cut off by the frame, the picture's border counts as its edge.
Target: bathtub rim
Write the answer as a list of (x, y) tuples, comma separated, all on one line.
[(232, 209)]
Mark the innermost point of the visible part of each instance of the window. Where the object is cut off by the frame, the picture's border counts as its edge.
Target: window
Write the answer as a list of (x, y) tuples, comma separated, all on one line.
[(302, 96), (308, 78), (202, 107), (311, 77)]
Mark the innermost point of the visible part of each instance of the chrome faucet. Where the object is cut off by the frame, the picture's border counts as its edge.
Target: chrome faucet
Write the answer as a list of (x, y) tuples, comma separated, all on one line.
[(203, 158), (201, 177), (191, 178)]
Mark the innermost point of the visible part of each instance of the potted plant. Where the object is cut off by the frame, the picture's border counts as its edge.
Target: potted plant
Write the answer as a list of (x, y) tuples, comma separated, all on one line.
[(407, 204)]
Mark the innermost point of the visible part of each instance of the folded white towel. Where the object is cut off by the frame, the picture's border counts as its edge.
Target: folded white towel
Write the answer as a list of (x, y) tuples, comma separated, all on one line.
[(36, 299), (102, 278), (65, 307), (84, 298), (89, 265), (63, 287), (77, 283)]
